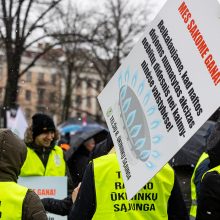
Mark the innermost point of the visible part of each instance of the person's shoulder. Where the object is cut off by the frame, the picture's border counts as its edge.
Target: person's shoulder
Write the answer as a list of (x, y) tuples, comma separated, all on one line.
[(32, 206), (211, 177)]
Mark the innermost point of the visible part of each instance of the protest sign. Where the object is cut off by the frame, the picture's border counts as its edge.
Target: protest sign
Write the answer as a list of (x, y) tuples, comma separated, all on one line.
[(165, 89), (47, 187)]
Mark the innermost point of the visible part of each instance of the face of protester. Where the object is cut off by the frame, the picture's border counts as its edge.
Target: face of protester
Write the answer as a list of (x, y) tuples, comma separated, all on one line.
[(90, 144), (45, 139)]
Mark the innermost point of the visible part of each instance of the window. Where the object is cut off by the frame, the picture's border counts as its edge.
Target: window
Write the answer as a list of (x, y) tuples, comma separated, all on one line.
[(1, 74), (98, 85), (41, 93), (1, 92), (41, 77), (28, 76), (89, 103), (89, 83), (53, 79), (78, 100), (79, 84), (52, 97), (28, 95)]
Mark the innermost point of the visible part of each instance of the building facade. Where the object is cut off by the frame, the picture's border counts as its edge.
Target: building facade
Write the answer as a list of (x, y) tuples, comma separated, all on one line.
[(39, 89)]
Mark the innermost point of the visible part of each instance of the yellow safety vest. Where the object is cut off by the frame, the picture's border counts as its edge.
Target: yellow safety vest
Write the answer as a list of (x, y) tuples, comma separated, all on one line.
[(11, 200), (111, 198), (193, 208), (33, 166)]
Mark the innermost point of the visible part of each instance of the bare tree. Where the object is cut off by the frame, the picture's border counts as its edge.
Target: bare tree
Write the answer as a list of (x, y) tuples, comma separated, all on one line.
[(116, 29), (71, 35), (23, 24), (113, 33)]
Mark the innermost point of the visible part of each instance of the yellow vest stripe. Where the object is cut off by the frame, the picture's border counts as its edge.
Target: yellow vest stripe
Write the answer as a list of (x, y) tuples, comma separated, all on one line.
[(193, 207)]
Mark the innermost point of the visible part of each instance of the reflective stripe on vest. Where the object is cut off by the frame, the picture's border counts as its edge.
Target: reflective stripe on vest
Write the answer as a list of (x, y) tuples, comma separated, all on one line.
[(11, 200), (111, 202), (33, 166), (217, 169), (193, 207)]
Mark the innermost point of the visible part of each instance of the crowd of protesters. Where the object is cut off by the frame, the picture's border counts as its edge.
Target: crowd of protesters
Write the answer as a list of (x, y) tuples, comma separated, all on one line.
[(92, 179)]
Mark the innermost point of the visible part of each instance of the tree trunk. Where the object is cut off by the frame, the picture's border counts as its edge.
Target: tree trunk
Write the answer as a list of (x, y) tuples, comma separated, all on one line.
[(11, 88), (68, 94)]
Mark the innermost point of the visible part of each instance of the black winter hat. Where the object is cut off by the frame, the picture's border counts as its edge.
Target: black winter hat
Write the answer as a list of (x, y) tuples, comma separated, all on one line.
[(42, 123)]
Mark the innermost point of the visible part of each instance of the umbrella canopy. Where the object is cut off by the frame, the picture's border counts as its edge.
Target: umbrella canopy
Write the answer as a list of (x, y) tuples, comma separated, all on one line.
[(191, 151), (70, 128), (95, 131)]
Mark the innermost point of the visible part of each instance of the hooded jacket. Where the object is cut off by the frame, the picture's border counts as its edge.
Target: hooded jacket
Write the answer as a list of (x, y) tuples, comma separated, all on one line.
[(12, 156)]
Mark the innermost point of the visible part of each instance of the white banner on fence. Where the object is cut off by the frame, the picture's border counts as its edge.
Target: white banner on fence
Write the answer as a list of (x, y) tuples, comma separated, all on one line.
[(166, 88)]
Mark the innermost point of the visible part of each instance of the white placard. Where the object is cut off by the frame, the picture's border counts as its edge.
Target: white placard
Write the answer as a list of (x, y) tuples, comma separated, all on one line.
[(17, 123), (166, 88), (47, 187)]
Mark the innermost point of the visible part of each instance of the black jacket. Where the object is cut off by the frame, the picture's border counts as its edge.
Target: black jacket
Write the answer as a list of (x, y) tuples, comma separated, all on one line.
[(209, 196), (13, 153), (209, 200), (85, 205), (79, 160), (63, 207)]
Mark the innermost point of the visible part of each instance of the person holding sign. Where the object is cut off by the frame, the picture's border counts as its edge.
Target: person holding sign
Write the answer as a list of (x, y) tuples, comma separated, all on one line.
[(16, 201), (102, 195), (209, 197)]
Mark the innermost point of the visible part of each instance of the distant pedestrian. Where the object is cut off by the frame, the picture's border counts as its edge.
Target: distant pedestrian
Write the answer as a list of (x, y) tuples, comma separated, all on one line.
[(79, 160), (16, 201)]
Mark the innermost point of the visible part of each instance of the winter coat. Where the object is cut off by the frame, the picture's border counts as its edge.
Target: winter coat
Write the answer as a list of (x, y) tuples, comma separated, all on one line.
[(63, 207), (81, 157), (57, 206), (12, 156), (43, 153), (209, 197), (208, 207)]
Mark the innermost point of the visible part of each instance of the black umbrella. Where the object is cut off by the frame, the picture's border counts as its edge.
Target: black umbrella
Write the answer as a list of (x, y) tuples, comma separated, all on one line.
[(96, 131), (191, 151)]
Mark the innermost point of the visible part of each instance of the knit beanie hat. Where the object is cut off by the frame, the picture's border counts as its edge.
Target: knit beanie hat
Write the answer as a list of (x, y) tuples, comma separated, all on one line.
[(42, 123)]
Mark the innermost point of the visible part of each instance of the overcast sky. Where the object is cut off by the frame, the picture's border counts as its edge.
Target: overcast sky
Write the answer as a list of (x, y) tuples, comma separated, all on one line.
[(155, 5)]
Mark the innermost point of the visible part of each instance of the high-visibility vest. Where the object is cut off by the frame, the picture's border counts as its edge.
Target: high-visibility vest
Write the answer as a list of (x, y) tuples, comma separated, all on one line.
[(33, 166), (193, 208), (11, 200), (217, 169), (111, 199)]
